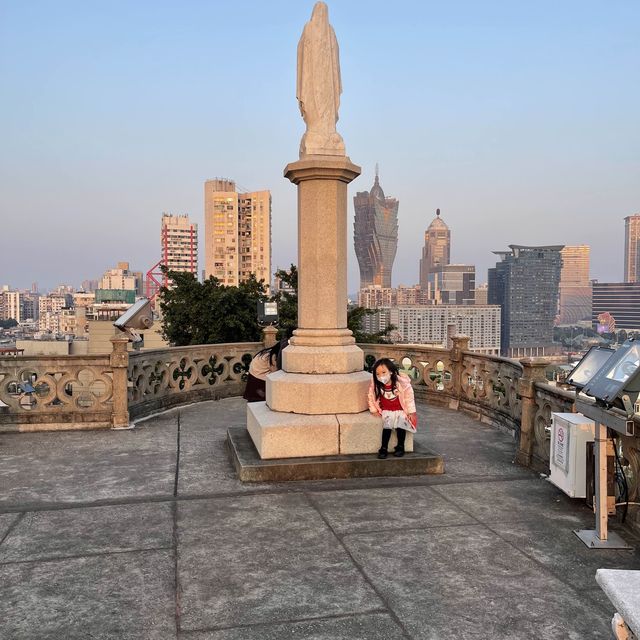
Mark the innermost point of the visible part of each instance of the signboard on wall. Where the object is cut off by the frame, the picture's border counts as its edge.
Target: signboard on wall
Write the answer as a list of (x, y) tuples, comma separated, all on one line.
[(561, 446)]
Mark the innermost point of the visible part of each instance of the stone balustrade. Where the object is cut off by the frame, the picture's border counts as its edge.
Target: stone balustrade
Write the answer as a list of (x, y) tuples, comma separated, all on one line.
[(164, 378), (63, 392)]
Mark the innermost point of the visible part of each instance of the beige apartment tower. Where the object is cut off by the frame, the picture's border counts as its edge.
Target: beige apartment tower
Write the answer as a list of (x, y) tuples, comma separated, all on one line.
[(179, 239), (575, 286), (237, 230), (632, 248)]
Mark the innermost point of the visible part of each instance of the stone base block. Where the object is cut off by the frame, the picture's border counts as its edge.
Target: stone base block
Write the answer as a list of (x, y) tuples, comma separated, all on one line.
[(250, 468), (288, 435), (362, 433), (347, 359), (316, 394)]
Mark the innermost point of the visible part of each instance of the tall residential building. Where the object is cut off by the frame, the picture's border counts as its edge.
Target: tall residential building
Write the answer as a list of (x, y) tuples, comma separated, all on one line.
[(621, 300), (437, 249), (89, 285), (481, 294), (525, 284), (452, 284), (575, 286), (632, 248), (237, 230), (13, 304), (122, 278), (50, 309), (376, 297), (375, 235), (430, 324), (179, 243), (30, 305)]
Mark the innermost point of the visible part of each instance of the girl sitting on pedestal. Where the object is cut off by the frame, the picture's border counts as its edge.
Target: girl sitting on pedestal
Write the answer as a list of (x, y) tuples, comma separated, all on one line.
[(391, 396)]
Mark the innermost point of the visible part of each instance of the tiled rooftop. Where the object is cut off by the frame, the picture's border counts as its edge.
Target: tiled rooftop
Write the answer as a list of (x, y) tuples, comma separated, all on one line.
[(147, 534)]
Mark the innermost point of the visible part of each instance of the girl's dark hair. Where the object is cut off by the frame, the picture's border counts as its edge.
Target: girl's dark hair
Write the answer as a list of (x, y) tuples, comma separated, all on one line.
[(393, 370), (274, 352)]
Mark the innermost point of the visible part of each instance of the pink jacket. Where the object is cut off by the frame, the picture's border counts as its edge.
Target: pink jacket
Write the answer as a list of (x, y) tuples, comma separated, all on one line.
[(405, 395)]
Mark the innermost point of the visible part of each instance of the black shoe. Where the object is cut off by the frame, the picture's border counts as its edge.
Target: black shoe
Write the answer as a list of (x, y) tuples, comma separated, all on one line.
[(398, 452), (382, 454)]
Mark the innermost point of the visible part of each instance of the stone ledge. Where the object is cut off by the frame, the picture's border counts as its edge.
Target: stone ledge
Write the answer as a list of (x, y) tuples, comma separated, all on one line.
[(623, 589), (250, 468)]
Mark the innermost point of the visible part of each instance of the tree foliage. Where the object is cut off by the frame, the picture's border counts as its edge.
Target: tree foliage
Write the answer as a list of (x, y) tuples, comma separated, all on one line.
[(355, 316), (9, 323), (287, 302), (209, 312), (288, 312)]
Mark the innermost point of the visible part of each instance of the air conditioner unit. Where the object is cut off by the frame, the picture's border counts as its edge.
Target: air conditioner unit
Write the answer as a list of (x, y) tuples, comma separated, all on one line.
[(570, 434)]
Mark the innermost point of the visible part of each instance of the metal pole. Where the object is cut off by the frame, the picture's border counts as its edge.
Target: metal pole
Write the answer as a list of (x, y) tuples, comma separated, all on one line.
[(601, 481)]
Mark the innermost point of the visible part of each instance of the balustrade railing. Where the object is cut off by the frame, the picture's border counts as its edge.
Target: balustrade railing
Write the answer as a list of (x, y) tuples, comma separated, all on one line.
[(163, 378), (63, 392)]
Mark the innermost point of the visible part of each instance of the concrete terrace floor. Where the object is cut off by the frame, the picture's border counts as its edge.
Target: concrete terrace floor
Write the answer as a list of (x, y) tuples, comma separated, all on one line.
[(147, 534)]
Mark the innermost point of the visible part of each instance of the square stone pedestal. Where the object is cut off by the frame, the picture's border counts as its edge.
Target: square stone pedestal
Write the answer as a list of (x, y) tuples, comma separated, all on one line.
[(276, 434)]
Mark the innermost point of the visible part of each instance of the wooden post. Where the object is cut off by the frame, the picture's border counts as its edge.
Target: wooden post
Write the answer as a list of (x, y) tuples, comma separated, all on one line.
[(119, 360)]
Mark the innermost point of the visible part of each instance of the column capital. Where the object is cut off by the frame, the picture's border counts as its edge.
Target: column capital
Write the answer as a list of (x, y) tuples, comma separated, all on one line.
[(322, 168)]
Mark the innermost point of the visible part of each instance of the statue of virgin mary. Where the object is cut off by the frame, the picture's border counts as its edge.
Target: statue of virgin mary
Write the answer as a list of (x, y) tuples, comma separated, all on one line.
[(318, 85)]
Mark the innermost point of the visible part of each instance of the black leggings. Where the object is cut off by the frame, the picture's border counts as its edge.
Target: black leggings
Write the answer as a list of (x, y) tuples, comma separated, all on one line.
[(386, 435)]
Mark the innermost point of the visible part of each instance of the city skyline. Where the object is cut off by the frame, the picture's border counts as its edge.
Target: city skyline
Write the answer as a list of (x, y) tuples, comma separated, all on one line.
[(520, 127)]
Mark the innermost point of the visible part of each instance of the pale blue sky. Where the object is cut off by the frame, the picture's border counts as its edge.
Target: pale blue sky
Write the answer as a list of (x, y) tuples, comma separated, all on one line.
[(518, 119)]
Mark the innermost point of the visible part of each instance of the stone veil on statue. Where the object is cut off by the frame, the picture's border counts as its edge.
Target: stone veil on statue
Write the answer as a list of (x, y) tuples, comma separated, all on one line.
[(318, 86)]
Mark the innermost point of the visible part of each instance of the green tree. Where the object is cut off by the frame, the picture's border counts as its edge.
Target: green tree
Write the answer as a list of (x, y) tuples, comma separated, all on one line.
[(8, 324), (355, 316), (288, 312), (210, 312), (287, 302)]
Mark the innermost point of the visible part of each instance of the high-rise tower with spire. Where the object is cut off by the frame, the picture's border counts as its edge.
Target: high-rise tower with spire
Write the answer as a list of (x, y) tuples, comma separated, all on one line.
[(375, 235), (436, 251)]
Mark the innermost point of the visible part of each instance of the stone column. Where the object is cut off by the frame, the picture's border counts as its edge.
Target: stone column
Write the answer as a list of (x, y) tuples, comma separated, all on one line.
[(119, 361), (533, 371), (322, 368), (317, 404)]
